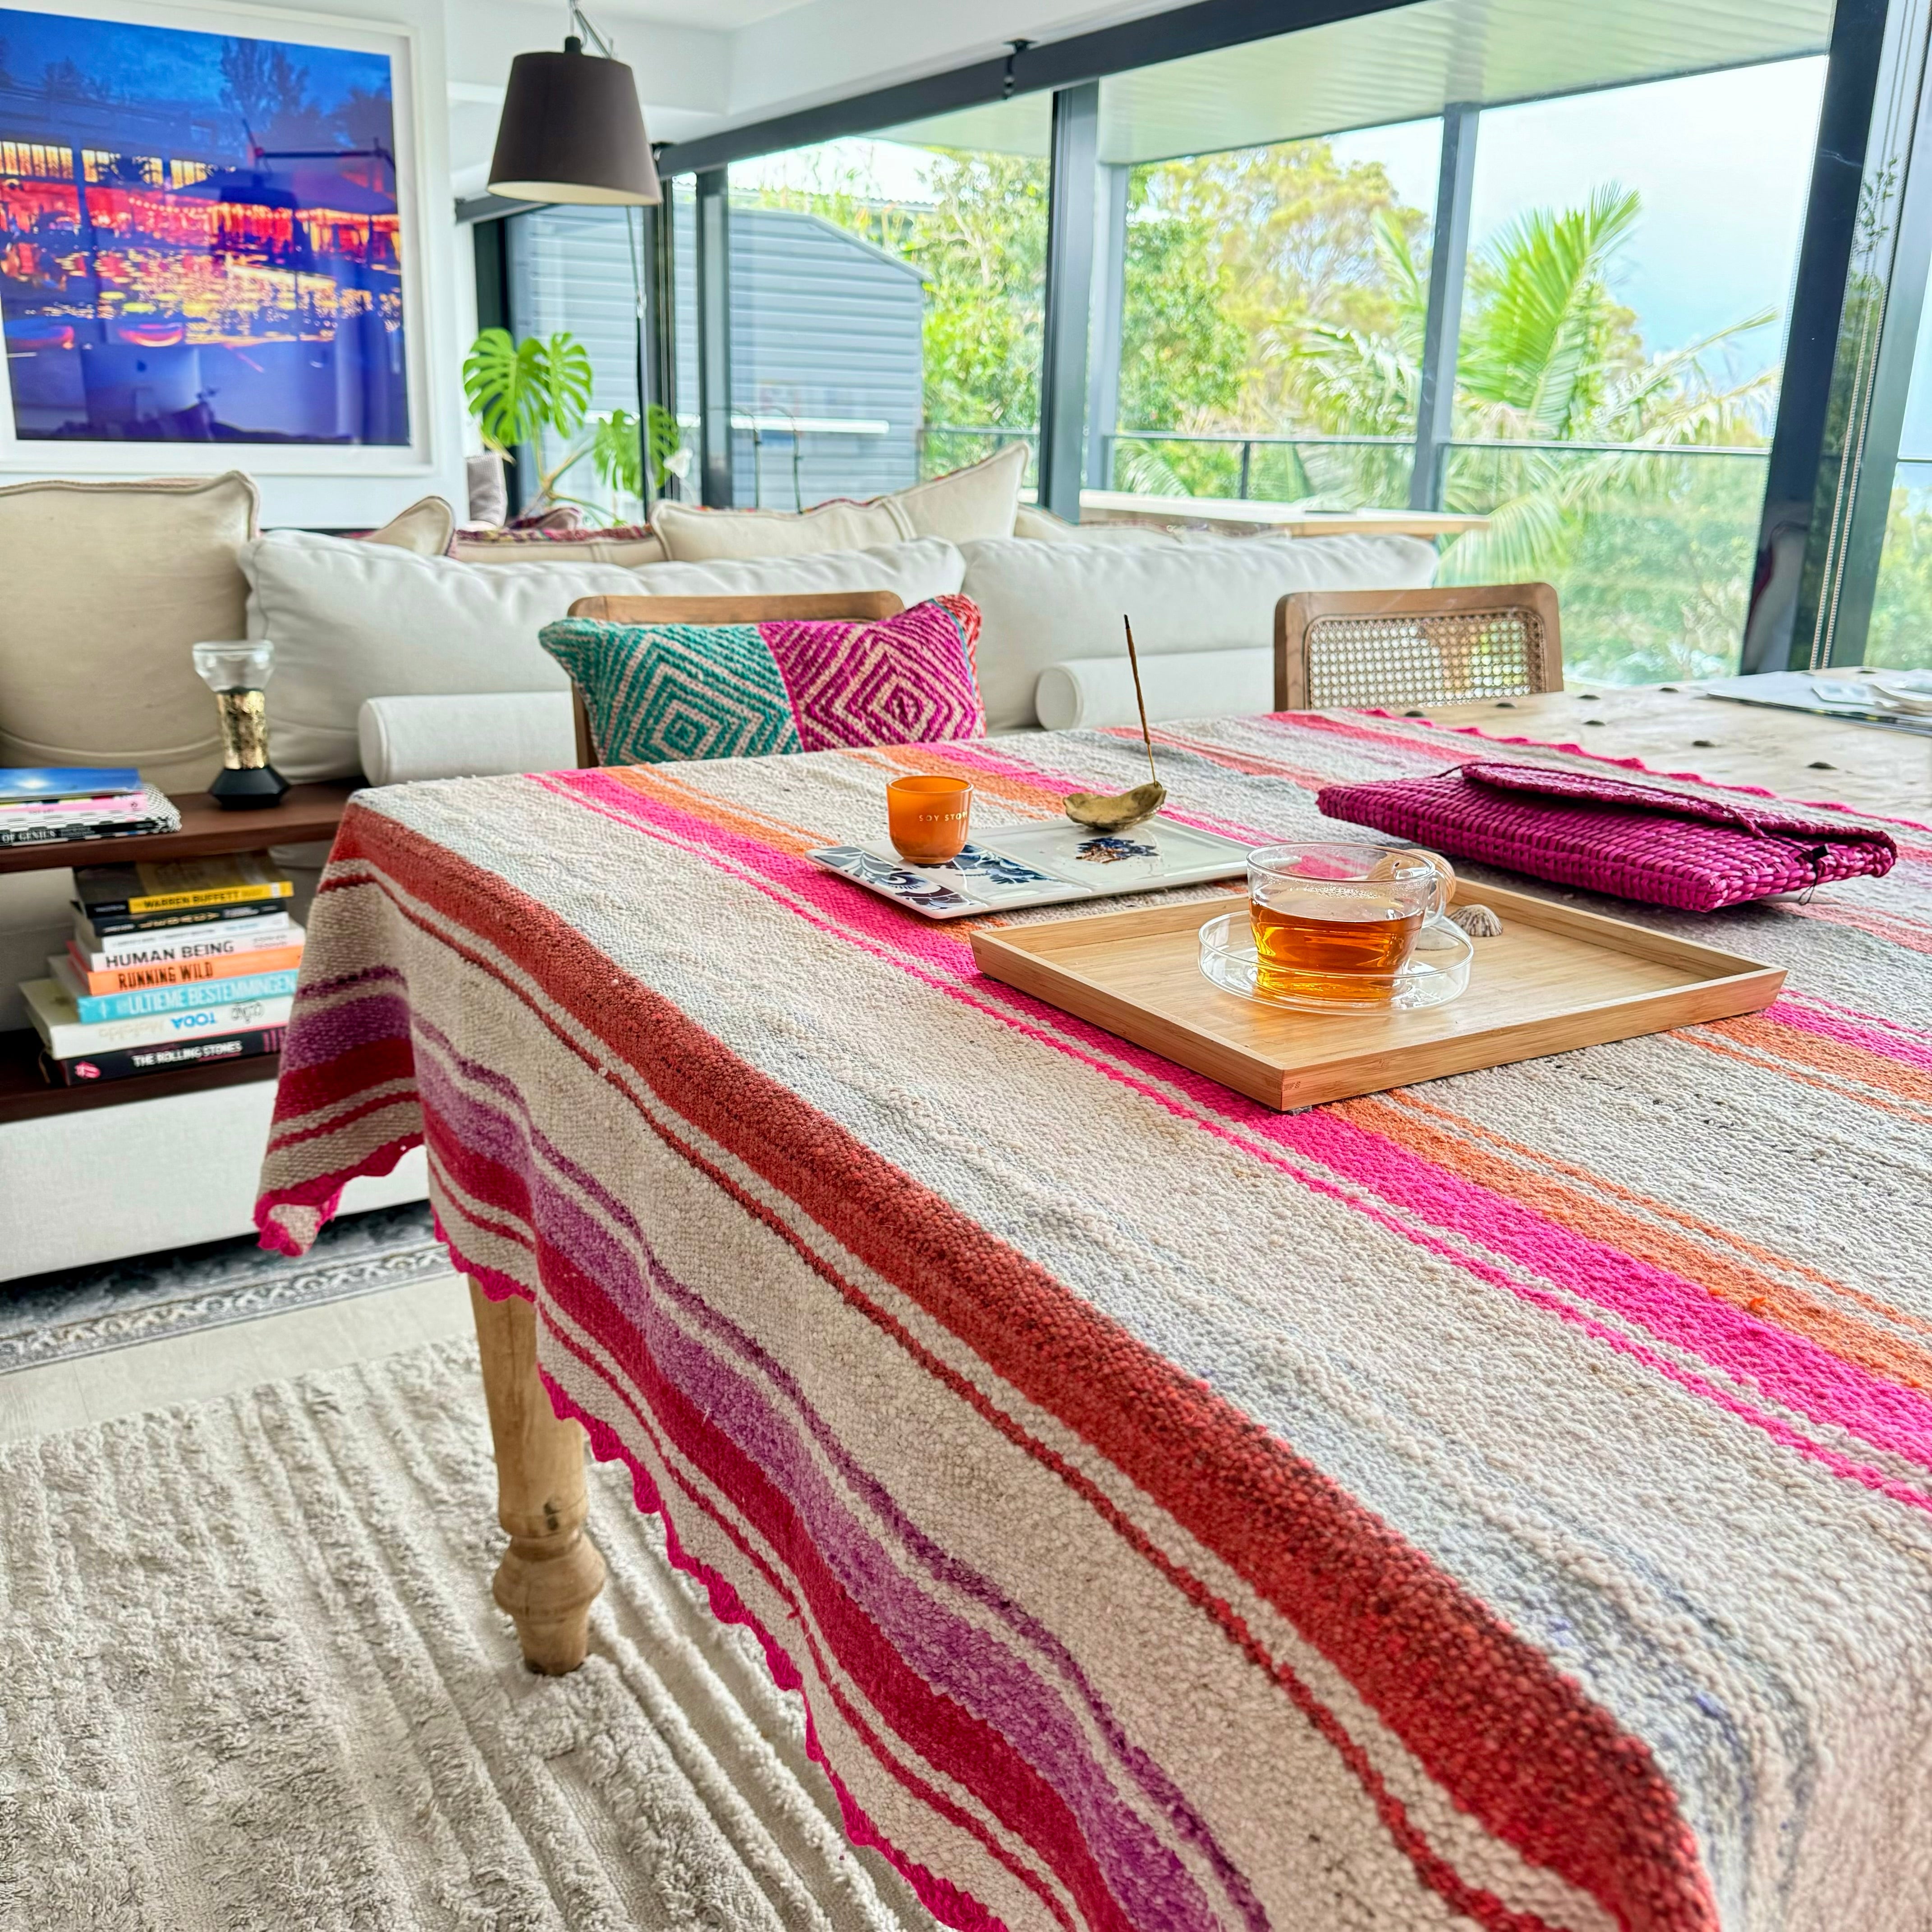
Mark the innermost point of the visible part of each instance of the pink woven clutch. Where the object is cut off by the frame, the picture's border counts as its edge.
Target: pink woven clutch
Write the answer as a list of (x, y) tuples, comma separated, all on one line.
[(1606, 834)]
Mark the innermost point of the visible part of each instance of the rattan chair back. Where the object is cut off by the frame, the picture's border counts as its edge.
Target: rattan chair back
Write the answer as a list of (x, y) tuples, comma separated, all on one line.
[(1342, 649), (804, 606)]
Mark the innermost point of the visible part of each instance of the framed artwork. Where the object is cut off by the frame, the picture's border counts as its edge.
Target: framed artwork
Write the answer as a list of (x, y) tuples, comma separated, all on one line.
[(207, 239)]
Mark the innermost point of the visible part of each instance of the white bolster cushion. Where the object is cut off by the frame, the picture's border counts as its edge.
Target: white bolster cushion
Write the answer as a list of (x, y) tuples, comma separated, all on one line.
[(1099, 692), (475, 734)]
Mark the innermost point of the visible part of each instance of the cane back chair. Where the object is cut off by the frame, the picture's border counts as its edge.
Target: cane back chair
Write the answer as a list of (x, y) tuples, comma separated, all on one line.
[(1341, 649)]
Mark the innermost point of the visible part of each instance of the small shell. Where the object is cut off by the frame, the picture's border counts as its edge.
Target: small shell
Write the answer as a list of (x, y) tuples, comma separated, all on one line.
[(1477, 921)]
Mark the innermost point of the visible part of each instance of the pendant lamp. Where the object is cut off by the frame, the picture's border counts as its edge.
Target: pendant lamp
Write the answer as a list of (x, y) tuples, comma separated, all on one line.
[(572, 130)]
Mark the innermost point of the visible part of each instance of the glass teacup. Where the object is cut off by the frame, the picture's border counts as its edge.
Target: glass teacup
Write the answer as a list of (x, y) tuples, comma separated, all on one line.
[(1335, 921)]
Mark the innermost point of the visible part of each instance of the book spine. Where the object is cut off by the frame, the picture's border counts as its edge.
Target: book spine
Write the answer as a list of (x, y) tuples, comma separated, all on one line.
[(67, 1039), (70, 834), (119, 1063), (211, 939), (93, 1007), (110, 925), (202, 895), (120, 978)]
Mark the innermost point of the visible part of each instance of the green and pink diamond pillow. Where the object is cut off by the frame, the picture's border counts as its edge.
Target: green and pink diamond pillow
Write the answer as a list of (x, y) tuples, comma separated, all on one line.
[(658, 693)]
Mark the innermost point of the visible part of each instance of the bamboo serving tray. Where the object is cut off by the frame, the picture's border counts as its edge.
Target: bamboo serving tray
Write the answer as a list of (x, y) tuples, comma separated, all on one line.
[(1554, 979)]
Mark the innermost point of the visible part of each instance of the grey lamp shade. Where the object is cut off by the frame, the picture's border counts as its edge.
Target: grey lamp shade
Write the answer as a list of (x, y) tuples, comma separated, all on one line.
[(572, 131)]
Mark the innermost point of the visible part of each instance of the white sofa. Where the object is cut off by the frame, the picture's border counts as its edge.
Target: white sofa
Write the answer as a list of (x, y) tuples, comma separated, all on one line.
[(400, 665), (405, 667)]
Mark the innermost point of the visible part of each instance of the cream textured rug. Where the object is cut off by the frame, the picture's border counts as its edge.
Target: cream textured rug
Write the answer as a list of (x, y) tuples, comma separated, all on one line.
[(254, 1679)]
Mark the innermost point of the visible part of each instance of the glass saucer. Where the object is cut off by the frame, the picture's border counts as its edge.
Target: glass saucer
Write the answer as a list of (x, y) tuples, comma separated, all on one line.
[(1437, 971)]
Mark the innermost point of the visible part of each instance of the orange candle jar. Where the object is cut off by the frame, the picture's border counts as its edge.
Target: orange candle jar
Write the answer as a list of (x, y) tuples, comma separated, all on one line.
[(928, 818)]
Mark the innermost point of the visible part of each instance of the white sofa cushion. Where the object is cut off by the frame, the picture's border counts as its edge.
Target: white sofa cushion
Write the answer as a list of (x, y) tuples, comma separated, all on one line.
[(484, 735), (692, 535), (1096, 692), (351, 621), (105, 585), (927, 568), (1043, 526), (1044, 604), (425, 527), (982, 500)]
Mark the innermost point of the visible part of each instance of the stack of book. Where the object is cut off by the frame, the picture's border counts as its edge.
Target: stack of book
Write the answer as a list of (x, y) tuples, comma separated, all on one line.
[(170, 964), (46, 804)]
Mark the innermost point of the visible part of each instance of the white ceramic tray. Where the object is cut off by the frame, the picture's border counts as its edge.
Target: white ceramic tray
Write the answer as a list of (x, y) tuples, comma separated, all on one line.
[(1015, 866)]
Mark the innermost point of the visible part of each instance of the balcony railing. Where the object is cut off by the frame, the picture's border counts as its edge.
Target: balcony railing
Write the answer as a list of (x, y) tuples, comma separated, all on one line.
[(1650, 546)]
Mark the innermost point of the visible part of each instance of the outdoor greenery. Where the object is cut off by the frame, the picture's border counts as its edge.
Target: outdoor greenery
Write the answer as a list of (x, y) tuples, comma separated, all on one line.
[(1283, 291), (1901, 636)]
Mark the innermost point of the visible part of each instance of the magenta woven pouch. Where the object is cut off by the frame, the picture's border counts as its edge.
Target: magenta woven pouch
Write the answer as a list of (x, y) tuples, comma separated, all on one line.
[(1606, 834)]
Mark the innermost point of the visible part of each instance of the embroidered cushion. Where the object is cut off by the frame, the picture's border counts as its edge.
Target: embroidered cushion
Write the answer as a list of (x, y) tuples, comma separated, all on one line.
[(658, 693)]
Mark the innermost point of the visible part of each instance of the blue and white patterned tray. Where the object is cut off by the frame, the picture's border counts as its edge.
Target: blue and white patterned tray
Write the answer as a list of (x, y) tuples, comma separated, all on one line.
[(1020, 866)]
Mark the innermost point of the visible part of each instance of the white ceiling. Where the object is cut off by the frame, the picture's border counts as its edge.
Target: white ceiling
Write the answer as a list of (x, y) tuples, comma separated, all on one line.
[(723, 16), (1402, 65), (705, 65)]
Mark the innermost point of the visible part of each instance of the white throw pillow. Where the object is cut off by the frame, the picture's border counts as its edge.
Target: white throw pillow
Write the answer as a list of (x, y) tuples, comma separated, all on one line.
[(1044, 604), (536, 547), (1092, 693), (103, 588), (982, 500), (693, 536), (425, 527), (351, 620), (929, 568), (1043, 526), (403, 739)]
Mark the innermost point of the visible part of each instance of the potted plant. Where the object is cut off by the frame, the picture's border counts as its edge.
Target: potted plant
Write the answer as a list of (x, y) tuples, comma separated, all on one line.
[(517, 391)]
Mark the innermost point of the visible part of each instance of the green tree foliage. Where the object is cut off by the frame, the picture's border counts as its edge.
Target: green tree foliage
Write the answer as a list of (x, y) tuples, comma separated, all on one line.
[(1901, 635), (983, 249), (1283, 291), (1297, 237)]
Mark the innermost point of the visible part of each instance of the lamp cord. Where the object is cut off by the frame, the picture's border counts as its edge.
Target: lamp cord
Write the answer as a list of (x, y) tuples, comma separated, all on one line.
[(580, 22)]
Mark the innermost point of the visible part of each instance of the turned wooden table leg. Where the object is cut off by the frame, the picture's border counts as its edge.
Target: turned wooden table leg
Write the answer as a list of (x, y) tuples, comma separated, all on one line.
[(551, 1571)]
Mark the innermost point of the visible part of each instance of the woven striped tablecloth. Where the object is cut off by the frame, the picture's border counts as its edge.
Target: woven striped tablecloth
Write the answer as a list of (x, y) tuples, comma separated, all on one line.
[(1506, 1501)]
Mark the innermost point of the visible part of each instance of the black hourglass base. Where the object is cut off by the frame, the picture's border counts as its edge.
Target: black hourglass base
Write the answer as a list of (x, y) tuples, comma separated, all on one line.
[(248, 790)]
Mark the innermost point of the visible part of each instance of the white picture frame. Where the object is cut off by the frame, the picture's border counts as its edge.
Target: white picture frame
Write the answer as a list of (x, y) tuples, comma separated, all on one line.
[(400, 43)]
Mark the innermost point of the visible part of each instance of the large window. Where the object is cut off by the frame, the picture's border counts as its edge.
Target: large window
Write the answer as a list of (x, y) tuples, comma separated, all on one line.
[(1582, 344), (1901, 636), (574, 271), (886, 305), (1272, 307), (1631, 259)]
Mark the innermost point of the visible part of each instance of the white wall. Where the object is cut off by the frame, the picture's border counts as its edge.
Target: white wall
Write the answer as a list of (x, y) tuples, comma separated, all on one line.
[(365, 499)]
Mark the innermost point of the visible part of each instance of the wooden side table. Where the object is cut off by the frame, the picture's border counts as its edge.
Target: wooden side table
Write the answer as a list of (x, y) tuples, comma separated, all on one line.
[(307, 812)]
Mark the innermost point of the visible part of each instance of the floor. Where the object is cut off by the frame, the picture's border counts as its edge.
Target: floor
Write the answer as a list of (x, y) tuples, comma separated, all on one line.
[(213, 1362)]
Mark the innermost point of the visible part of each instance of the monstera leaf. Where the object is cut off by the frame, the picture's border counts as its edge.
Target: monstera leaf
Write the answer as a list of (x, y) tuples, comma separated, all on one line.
[(616, 447), (518, 389)]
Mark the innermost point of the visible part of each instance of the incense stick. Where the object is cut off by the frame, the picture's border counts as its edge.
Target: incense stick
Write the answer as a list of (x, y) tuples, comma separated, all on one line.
[(1134, 665)]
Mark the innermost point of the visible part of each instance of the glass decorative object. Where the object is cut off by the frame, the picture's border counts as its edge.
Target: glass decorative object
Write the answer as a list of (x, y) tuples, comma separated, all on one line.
[(236, 673)]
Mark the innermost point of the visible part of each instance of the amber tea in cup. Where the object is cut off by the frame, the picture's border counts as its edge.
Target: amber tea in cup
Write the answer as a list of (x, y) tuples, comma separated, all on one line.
[(927, 818), (1337, 922)]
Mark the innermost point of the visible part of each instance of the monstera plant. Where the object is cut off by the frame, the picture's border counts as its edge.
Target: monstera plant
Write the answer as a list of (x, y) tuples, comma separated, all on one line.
[(519, 391)]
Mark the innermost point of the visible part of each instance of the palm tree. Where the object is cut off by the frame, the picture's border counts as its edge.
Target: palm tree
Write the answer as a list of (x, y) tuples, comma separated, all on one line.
[(1546, 355)]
